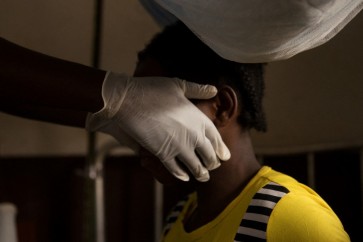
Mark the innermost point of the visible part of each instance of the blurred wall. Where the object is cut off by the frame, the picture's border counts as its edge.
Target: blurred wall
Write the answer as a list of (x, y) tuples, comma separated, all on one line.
[(313, 98), (316, 97)]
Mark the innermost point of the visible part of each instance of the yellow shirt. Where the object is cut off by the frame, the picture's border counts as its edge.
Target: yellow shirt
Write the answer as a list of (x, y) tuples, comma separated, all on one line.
[(300, 215)]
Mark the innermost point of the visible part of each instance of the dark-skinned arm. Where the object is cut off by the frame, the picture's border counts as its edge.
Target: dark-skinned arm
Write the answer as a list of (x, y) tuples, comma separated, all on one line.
[(31, 78)]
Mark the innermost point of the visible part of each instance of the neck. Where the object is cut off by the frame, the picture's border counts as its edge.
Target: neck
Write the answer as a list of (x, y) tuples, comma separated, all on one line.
[(225, 183)]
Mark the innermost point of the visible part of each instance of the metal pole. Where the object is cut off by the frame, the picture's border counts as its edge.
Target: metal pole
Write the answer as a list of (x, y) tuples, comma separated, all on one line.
[(99, 192), (158, 210), (361, 180), (93, 181)]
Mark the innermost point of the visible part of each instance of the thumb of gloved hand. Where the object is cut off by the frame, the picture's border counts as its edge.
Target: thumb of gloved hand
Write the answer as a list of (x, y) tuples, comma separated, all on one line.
[(197, 91), (155, 112)]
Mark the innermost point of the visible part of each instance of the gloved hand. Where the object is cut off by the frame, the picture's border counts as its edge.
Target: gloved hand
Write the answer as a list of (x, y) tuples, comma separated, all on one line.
[(155, 112)]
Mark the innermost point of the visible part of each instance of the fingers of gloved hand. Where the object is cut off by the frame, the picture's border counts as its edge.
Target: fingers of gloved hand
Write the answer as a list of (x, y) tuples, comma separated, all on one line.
[(192, 162), (175, 169), (198, 91), (215, 138), (208, 155)]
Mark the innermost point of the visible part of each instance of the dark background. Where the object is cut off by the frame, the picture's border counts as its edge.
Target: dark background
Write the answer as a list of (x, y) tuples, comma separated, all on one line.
[(54, 200)]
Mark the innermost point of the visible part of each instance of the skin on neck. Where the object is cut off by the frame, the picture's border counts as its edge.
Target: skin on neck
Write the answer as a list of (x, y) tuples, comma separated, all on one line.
[(227, 181)]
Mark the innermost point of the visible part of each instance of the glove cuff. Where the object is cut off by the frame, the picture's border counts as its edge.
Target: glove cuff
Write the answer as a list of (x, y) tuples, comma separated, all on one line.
[(113, 94)]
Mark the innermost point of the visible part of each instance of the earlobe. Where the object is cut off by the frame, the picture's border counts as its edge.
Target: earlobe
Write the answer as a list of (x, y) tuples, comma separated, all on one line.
[(227, 106)]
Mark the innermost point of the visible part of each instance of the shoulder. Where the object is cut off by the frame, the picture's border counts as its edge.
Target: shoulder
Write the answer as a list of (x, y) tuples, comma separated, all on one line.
[(304, 216)]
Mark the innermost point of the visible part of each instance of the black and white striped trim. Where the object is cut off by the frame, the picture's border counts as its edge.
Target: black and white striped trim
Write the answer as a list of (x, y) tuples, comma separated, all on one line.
[(254, 223), (173, 215)]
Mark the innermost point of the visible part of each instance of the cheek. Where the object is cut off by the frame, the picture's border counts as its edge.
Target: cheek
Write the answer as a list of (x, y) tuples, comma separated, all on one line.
[(204, 106), (157, 169), (150, 163)]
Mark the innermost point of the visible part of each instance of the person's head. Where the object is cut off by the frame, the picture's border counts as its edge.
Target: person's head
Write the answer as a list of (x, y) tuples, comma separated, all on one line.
[(177, 52)]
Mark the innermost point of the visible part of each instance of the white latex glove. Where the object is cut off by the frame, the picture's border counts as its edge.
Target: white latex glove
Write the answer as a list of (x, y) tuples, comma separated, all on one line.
[(155, 112)]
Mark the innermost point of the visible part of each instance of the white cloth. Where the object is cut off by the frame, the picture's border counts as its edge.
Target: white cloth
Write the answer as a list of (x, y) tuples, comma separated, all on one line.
[(251, 31)]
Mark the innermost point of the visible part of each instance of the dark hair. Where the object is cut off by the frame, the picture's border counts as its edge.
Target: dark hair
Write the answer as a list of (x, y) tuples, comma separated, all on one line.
[(183, 55)]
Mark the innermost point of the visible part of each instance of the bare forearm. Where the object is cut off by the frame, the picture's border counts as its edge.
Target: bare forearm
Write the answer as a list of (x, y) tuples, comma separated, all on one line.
[(66, 117), (36, 79)]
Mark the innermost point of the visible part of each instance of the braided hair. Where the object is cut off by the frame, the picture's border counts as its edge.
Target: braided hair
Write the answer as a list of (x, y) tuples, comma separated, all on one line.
[(182, 54)]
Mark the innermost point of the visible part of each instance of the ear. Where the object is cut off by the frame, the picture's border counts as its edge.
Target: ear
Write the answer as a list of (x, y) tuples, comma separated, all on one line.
[(227, 106)]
